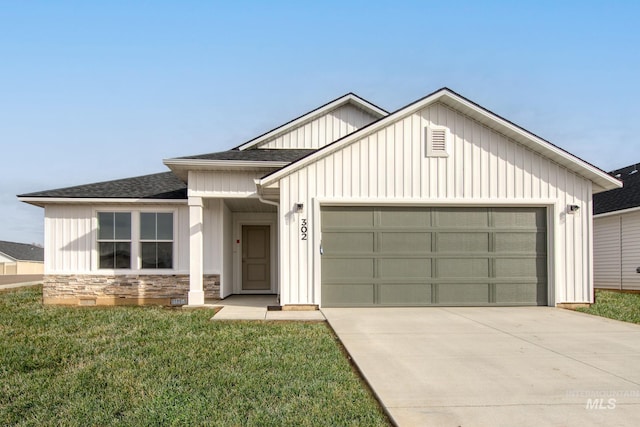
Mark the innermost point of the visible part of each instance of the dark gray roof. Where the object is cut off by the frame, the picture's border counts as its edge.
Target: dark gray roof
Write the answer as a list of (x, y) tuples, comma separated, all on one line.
[(255, 155), (163, 185), (621, 198), (22, 251)]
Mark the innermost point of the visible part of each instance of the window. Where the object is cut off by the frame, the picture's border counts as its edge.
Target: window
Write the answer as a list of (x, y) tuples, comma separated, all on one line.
[(114, 239), (156, 240), (437, 141)]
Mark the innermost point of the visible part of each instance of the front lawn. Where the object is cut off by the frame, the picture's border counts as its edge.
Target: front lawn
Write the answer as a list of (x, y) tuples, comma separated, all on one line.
[(155, 366), (615, 305)]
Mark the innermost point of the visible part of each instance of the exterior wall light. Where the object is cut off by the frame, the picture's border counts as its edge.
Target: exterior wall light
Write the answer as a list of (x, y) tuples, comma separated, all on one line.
[(299, 207), (572, 209)]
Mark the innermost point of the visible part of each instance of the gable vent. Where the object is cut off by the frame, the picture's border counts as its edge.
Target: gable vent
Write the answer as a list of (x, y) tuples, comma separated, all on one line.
[(437, 138)]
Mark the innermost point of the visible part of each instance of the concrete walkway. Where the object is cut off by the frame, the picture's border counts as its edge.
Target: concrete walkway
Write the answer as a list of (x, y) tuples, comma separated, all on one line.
[(254, 307), (525, 366), (20, 281)]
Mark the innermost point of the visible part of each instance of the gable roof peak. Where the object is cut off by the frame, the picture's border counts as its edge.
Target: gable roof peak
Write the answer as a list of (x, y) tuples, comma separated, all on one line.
[(348, 98), (602, 181)]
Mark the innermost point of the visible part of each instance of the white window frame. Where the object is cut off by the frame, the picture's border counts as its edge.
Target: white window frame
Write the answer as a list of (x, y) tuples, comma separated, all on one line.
[(172, 241), (114, 240), (136, 261)]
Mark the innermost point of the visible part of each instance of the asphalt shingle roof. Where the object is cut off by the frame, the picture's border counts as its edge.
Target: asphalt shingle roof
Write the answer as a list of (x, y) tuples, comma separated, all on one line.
[(621, 198), (255, 155), (163, 185), (22, 251)]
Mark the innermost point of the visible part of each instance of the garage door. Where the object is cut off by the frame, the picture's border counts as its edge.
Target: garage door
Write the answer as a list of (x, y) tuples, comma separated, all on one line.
[(397, 256)]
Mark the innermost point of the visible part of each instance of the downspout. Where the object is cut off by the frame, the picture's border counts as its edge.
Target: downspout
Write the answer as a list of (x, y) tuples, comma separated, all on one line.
[(277, 205)]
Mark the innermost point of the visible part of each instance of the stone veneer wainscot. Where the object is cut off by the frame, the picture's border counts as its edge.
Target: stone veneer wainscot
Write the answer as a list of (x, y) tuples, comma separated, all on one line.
[(122, 290)]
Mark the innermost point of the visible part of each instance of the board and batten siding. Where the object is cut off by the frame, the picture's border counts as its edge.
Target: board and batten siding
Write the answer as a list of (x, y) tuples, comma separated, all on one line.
[(322, 130), (616, 251), (223, 183), (483, 168), (226, 278), (71, 237)]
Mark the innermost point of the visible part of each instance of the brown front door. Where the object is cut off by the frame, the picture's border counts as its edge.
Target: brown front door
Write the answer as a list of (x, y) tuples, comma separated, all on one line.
[(255, 258)]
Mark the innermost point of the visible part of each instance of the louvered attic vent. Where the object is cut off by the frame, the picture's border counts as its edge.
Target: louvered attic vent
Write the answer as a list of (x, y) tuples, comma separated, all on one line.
[(437, 141)]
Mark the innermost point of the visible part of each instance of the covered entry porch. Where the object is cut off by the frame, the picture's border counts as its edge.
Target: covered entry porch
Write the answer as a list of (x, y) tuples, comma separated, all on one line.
[(235, 238)]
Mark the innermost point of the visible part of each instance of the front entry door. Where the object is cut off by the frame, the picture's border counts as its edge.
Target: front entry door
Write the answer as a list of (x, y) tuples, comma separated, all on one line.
[(255, 258)]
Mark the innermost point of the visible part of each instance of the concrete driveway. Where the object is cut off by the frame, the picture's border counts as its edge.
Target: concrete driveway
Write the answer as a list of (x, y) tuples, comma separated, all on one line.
[(537, 366)]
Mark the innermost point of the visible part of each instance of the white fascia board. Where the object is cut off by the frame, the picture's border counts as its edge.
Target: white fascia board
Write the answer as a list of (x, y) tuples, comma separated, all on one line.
[(199, 164), (366, 105), (10, 257), (181, 167), (357, 135), (620, 212), (348, 98), (42, 201), (601, 178)]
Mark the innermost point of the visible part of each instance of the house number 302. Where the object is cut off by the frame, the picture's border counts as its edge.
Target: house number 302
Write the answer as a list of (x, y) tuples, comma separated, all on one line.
[(303, 229)]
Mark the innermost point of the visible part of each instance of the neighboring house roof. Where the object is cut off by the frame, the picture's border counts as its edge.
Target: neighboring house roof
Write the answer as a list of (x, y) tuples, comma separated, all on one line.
[(163, 186), (602, 181), (21, 251), (627, 197), (349, 98), (255, 155)]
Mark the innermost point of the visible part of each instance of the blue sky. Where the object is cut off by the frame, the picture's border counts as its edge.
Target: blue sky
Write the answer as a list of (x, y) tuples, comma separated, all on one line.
[(92, 91)]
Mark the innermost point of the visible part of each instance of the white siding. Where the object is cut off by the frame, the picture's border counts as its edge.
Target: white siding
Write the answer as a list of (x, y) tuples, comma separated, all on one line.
[(6, 259), (212, 226), (483, 167), (616, 251), (223, 183), (322, 130), (606, 252), (630, 249), (71, 237), (226, 279)]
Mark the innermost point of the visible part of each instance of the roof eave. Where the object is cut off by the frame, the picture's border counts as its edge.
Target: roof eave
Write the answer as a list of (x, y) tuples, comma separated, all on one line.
[(600, 178), (43, 201), (617, 212), (345, 99), (9, 256), (358, 134), (181, 167)]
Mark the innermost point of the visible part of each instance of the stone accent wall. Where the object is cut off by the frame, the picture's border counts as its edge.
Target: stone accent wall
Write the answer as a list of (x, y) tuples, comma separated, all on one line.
[(123, 290)]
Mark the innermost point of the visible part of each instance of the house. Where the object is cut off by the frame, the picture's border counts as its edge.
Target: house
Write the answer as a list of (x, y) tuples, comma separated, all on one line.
[(441, 202), (616, 233), (20, 258)]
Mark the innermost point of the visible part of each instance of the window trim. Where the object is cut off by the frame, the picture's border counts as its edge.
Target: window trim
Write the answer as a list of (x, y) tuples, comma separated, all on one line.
[(136, 262), (114, 240), (156, 240)]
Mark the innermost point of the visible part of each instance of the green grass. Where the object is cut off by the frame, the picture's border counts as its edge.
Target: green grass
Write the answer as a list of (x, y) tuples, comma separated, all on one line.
[(154, 366), (615, 305)]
